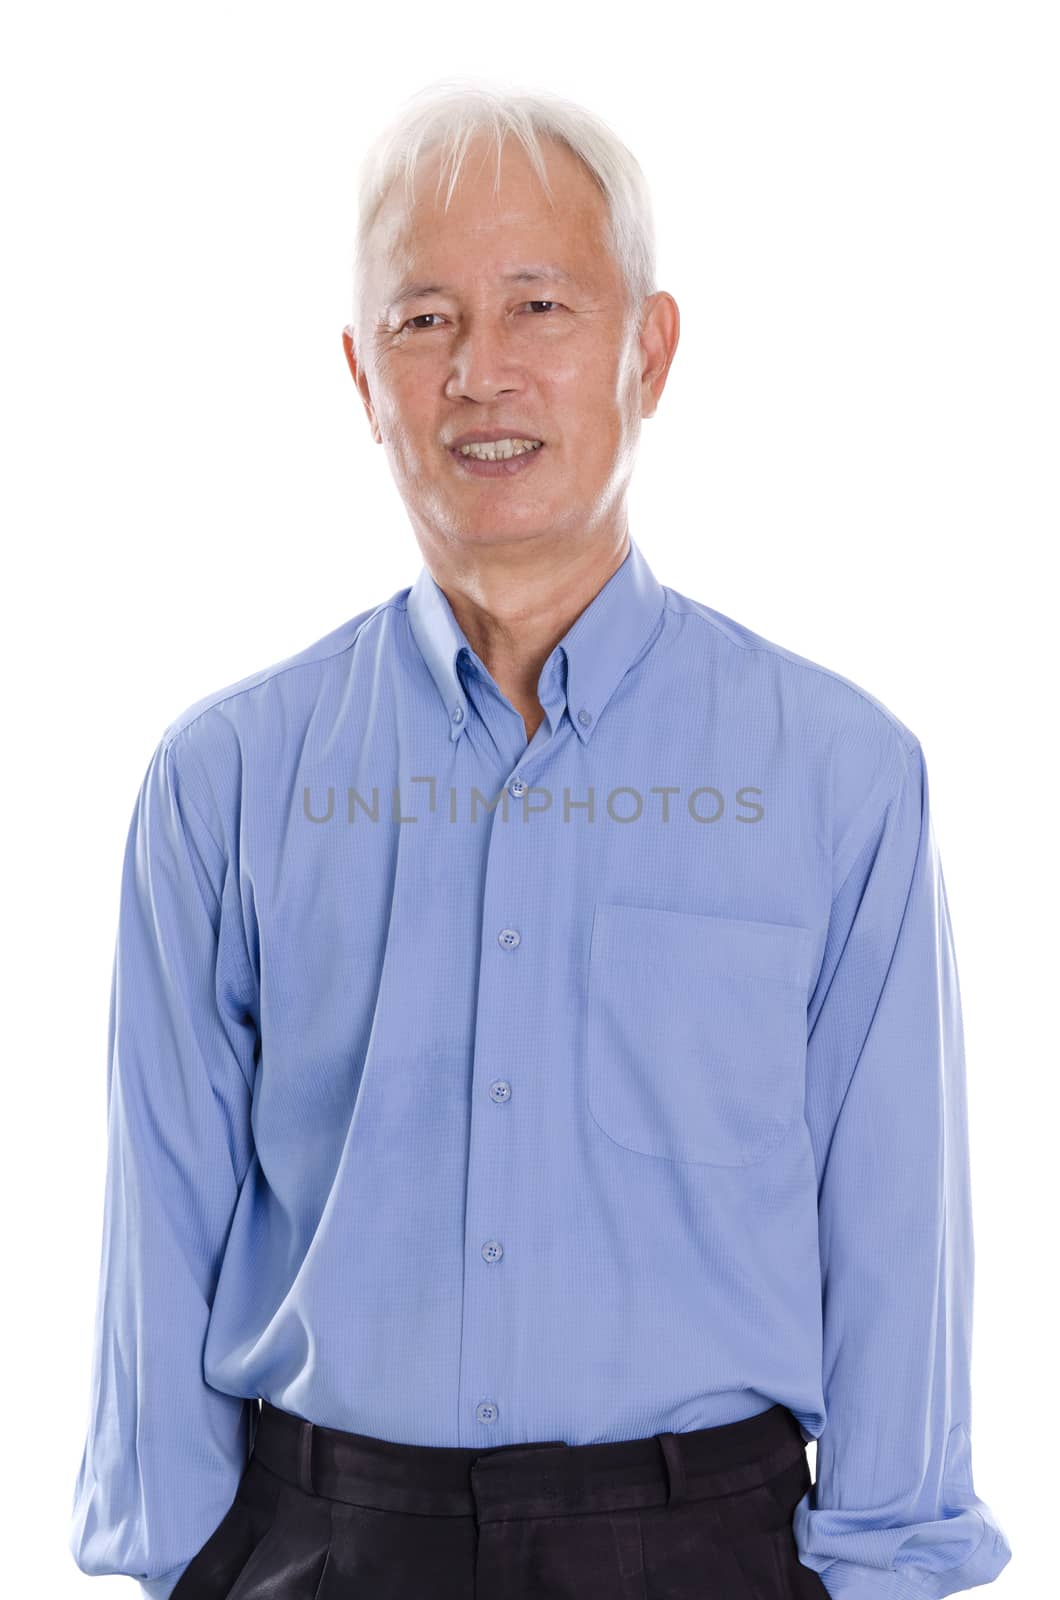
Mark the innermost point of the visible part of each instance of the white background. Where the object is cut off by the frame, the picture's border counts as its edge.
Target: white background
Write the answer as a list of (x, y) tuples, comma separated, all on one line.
[(855, 455)]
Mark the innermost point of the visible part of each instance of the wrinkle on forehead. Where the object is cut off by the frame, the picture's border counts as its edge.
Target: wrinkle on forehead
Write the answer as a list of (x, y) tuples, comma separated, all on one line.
[(496, 226)]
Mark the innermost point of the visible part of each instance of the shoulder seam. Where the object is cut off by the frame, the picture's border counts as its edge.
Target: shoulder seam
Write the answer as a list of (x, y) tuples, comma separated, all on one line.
[(185, 796), (768, 648), (271, 673), (232, 955), (870, 807)]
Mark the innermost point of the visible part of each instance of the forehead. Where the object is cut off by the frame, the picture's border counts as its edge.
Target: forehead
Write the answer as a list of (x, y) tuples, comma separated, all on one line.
[(498, 224)]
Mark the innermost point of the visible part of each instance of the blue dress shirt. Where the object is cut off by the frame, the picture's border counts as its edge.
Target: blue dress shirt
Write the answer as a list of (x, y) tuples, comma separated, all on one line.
[(469, 1091)]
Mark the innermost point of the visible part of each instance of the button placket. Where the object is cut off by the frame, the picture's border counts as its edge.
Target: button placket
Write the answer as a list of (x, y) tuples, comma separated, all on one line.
[(492, 1035)]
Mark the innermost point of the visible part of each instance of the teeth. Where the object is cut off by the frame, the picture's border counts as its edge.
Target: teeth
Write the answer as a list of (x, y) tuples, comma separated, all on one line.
[(499, 449)]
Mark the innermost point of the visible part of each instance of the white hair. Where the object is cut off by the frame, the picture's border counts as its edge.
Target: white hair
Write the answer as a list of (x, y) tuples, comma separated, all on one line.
[(447, 113)]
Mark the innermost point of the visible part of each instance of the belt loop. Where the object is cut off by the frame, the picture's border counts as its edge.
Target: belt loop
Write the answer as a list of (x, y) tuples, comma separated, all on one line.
[(674, 1467), (305, 1457)]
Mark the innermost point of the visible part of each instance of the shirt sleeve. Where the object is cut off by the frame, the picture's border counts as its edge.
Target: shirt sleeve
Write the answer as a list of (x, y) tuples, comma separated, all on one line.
[(164, 1451), (893, 1514)]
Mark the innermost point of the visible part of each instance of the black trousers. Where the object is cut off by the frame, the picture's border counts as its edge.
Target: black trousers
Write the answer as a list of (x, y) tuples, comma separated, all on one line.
[(321, 1514)]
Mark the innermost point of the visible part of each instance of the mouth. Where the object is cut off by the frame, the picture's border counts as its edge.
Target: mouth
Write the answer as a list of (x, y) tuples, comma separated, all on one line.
[(500, 466)]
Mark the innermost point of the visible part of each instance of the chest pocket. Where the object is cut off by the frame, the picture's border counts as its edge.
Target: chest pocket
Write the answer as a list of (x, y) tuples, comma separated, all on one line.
[(696, 1032)]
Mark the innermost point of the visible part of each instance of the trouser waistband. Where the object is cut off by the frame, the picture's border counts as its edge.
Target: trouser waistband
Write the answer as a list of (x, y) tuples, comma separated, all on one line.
[(545, 1478)]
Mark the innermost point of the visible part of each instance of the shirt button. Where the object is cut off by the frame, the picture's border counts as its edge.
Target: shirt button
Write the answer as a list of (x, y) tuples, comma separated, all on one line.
[(487, 1411), (585, 717), (492, 1250), (458, 713), (508, 938), (517, 787), (501, 1090)]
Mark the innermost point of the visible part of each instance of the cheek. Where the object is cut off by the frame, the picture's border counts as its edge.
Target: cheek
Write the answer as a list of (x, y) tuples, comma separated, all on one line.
[(401, 388), (586, 393), (405, 419), (589, 426)]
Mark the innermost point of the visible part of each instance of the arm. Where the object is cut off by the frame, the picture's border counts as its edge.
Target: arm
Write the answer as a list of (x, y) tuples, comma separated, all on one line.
[(893, 1514), (164, 1451)]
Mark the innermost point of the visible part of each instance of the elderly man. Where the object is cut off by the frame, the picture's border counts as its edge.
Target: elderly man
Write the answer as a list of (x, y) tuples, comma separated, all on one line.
[(536, 1091)]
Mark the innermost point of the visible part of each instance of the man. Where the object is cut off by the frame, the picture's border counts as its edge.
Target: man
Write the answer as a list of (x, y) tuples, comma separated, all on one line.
[(536, 1067)]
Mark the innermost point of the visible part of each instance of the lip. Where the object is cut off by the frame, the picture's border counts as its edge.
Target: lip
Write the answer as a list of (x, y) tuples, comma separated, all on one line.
[(490, 436), (497, 469)]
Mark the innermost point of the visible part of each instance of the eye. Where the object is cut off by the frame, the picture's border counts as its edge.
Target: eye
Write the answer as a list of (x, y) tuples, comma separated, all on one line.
[(423, 315), (419, 318)]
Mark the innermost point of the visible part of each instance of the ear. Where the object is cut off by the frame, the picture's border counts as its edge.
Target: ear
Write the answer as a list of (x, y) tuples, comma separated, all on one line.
[(660, 331), (359, 378)]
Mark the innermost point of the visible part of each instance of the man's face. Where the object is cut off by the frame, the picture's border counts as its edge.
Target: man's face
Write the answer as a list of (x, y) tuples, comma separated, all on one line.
[(551, 357)]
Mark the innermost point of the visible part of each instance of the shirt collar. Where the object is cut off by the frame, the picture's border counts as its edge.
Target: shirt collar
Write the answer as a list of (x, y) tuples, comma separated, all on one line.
[(599, 646)]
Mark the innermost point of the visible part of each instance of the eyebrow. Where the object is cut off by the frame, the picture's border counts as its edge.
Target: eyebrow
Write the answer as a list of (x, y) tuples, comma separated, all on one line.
[(539, 272)]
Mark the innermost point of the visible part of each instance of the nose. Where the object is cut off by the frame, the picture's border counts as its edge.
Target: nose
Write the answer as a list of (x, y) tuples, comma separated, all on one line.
[(483, 367)]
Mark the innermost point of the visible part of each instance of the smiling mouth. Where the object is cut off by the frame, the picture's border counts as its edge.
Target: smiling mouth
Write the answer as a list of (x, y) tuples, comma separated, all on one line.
[(497, 449), (493, 464)]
